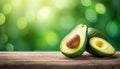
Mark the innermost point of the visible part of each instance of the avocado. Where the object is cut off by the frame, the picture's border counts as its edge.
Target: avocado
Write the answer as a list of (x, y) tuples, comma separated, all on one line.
[(100, 47), (74, 44), (92, 32)]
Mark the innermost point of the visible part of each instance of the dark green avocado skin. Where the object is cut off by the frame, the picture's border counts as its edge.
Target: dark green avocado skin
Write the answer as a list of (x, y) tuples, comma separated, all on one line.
[(92, 32)]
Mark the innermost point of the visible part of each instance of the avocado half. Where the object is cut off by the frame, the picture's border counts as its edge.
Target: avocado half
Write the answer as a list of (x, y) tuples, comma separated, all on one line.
[(74, 44), (100, 47)]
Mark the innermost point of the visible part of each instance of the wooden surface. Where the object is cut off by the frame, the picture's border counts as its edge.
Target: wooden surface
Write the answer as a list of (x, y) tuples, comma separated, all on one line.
[(55, 60)]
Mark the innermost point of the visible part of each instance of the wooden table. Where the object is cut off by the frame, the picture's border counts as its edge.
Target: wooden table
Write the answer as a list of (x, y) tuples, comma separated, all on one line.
[(55, 60)]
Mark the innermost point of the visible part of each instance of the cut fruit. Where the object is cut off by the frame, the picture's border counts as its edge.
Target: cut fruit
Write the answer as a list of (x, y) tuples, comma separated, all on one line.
[(74, 44), (100, 47)]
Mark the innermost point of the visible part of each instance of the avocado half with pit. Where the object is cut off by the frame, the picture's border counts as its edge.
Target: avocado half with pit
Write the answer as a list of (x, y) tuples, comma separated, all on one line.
[(100, 47), (74, 44)]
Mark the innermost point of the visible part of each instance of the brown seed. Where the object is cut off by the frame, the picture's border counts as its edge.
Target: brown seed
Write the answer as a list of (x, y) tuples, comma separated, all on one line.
[(73, 41)]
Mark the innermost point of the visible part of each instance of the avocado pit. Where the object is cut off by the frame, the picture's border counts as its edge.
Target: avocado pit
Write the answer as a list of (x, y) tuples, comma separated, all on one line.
[(101, 45), (73, 41)]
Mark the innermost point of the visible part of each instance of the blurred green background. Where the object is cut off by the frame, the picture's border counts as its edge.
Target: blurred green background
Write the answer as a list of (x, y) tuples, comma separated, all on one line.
[(40, 25)]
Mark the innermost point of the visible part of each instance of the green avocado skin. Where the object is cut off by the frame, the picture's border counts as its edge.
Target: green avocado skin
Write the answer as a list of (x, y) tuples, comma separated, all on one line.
[(97, 53), (92, 32), (78, 53)]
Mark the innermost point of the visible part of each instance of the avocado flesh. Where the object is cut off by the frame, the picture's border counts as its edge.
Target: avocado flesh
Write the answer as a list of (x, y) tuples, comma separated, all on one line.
[(100, 47), (81, 30)]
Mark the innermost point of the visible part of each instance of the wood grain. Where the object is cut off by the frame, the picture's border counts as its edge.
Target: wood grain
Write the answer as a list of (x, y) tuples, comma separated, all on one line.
[(55, 60)]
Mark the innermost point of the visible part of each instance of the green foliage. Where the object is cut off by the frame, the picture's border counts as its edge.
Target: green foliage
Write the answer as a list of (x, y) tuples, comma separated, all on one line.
[(39, 25)]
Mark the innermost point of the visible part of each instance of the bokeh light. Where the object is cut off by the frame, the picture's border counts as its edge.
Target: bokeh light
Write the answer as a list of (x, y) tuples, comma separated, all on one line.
[(100, 8), (10, 47), (2, 18), (3, 38), (40, 25), (7, 8), (44, 13), (21, 23), (86, 2), (91, 15), (52, 39), (61, 4), (113, 29)]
